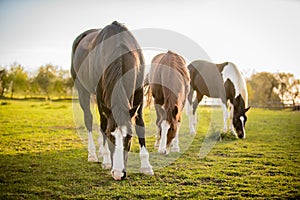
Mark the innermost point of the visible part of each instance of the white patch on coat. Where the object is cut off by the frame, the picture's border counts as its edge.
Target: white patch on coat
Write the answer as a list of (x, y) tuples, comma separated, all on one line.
[(231, 72), (163, 139), (242, 120), (118, 156)]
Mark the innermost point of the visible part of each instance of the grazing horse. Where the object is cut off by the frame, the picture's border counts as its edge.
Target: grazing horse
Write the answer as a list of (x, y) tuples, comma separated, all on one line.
[(211, 80), (169, 83), (110, 64)]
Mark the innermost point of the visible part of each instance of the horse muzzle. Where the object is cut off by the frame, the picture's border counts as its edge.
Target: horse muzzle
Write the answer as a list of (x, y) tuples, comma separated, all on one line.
[(240, 134), (118, 175)]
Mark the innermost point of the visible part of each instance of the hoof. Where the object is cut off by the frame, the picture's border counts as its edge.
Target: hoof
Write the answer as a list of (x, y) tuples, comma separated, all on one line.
[(147, 171), (92, 158), (106, 165), (162, 151), (175, 149), (192, 132)]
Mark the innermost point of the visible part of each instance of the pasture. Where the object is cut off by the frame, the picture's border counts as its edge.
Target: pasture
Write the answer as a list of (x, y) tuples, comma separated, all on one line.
[(43, 157)]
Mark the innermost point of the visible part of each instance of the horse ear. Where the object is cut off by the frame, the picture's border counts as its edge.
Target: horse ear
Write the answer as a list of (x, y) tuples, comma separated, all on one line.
[(133, 110), (175, 111), (247, 109)]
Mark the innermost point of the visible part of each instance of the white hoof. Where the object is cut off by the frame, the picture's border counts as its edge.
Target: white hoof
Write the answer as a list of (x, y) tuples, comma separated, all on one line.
[(163, 151), (106, 165), (193, 132), (92, 158), (147, 171), (175, 149)]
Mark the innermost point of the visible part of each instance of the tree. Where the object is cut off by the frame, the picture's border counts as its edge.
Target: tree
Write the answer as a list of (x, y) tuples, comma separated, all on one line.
[(263, 86), (45, 78), (18, 79), (4, 82), (288, 88)]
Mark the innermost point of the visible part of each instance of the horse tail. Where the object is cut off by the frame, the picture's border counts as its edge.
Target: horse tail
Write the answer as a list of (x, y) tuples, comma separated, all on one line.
[(148, 91), (74, 47)]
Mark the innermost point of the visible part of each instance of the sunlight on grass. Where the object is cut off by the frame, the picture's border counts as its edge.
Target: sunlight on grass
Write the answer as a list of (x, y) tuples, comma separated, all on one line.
[(42, 156)]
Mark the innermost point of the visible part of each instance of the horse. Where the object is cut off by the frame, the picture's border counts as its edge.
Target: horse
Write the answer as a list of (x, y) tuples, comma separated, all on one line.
[(222, 81), (169, 83), (109, 63)]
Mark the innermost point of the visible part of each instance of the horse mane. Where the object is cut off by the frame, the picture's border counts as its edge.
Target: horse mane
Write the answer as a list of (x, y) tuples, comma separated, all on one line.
[(221, 66), (124, 55)]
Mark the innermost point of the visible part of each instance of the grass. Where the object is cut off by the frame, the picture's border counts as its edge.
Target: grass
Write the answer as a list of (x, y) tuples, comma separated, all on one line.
[(42, 156)]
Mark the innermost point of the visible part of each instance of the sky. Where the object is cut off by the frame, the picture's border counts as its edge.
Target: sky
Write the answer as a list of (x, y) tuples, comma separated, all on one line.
[(256, 35)]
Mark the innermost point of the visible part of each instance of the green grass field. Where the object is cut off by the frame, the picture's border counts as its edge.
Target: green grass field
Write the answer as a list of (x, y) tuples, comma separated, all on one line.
[(43, 156)]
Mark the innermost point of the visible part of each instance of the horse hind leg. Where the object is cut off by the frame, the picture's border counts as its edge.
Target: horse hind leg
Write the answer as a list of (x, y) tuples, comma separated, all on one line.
[(84, 101)]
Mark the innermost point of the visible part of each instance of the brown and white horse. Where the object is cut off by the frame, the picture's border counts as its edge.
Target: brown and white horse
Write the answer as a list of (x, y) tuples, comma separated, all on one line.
[(169, 83), (110, 64), (222, 81)]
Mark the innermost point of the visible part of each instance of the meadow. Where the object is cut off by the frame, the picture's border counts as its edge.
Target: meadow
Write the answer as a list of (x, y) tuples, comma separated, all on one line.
[(44, 156)]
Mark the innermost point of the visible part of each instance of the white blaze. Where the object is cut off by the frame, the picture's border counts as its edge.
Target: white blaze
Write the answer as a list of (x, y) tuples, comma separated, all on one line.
[(242, 120), (118, 157)]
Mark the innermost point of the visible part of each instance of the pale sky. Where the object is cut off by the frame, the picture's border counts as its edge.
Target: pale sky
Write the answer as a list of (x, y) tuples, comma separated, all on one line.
[(260, 35)]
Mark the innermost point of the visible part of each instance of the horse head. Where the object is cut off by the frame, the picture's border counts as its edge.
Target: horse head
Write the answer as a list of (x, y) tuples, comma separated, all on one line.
[(118, 135), (239, 120)]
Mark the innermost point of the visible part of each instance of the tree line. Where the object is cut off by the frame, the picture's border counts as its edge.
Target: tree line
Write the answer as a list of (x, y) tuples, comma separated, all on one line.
[(265, 89), (48, 81)]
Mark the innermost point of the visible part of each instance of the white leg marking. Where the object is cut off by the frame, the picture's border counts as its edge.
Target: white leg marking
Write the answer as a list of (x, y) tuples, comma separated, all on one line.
[(175, 144), (101, 146), (242, 120), (92, 157), (231, 107), (163, 139), (192, 119), (106, 164), (146, 167), (225, 116), (156, 145), (118, 157)]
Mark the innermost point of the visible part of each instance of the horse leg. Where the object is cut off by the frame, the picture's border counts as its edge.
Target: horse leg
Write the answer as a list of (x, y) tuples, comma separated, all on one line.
[(158, 123), (189, 110), (84, 101), (146, 167), (225, 117), (103, 142), (175, 143), (231, 110), (193, 114)]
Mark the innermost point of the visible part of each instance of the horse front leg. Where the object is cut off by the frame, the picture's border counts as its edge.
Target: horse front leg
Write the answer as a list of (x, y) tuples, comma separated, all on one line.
[(103, 143), (146, 167), (158, 110), (231, 110), (175, 143)]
